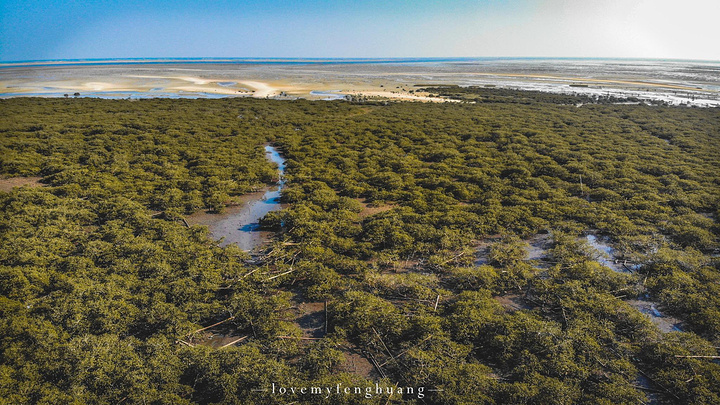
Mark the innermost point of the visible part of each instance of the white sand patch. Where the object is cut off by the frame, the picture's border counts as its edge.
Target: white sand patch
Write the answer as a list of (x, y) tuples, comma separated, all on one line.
[(405, 96), (262, 89), (194, 80), (201, 89), (191, 79), (99, 86)]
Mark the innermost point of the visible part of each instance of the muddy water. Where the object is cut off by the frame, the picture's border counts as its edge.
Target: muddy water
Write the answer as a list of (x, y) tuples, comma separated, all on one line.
[(603, 253), (537, 250), (664, 322), (607, 256), (240, 225)]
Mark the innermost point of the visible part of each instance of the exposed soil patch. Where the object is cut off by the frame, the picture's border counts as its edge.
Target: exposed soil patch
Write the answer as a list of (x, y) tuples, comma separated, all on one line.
[(651, 390), (481, 253), (311, 319), (512, 302), (357, 364), (7, 185), (403, 266), (218, 335), (482, 249), (708, 215), (372, 210)]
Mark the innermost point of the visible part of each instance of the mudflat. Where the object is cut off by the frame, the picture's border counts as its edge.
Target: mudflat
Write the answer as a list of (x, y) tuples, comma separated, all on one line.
[(676, 82)]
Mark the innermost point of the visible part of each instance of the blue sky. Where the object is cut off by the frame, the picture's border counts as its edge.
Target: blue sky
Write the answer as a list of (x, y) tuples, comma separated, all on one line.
[(68, 29)]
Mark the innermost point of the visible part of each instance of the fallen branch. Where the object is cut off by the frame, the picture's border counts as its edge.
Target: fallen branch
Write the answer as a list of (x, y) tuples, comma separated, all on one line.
[(698, 357), (405, 351), (251, 272), (452, 258), (208, 327), (281, 274), (383, 343), (376, 364), (662, 387), (628, 268), (185, 343), (233, 342)]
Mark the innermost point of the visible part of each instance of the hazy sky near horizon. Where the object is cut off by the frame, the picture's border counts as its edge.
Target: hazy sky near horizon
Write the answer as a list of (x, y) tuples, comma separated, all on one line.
[(73, 29)]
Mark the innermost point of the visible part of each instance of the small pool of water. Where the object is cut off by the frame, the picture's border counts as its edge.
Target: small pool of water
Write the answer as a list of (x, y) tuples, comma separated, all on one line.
[(664, 322), (240, 224), (328, 95), (537, 250), (606, 254)]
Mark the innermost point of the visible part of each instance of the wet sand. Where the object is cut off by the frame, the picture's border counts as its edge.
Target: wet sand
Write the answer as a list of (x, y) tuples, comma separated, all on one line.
[(686, 82), (164, 81)]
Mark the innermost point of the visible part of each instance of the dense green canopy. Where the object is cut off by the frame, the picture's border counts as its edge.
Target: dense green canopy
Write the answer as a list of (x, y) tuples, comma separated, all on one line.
[(101, 283)]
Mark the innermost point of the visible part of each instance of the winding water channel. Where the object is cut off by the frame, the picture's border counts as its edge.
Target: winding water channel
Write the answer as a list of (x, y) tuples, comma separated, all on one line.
[(601, 251), (240, 224)]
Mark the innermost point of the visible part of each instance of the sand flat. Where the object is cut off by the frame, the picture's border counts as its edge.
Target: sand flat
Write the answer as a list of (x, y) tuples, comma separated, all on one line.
[(690, 83), (262, 89)]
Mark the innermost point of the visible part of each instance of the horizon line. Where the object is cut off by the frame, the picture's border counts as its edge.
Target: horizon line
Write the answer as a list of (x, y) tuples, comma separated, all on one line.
[(318, 60)]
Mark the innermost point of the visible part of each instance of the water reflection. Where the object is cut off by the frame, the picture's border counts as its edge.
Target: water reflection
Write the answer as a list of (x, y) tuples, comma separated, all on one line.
[(240, 224)]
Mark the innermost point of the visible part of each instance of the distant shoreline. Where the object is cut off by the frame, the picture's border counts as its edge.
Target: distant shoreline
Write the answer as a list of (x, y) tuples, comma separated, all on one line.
[(675, 82)]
